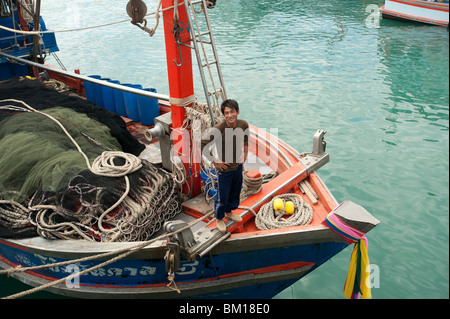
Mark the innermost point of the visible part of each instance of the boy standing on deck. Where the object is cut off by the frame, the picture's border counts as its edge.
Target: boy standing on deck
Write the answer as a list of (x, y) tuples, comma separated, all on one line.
[(230, 137)]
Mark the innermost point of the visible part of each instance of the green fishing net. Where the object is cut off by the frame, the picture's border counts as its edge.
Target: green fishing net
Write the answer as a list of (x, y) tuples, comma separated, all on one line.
[(47, 188), (35, 153)]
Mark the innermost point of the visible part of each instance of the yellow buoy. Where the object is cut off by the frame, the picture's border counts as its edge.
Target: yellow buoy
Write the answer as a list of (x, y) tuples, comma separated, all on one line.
[(290, 208), (278, 204)]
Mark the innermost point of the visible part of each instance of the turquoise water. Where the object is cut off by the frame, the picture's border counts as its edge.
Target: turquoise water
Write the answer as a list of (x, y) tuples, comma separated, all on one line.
[(382, 95)]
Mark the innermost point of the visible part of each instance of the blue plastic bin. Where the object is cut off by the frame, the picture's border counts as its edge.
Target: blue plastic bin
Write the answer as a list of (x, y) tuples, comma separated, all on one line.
[(131, 105), (108, 97), (120, 101), (148, 108), (99, 93), (89, 88)]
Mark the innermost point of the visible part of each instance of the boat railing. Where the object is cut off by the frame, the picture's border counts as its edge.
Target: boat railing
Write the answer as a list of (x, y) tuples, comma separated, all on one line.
[(124, 88)]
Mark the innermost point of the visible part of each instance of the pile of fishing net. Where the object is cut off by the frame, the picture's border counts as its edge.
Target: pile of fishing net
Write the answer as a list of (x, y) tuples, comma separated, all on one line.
[(52, 186)]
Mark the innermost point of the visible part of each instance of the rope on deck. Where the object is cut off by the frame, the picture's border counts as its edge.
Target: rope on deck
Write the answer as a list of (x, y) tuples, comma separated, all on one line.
[(268, 218)]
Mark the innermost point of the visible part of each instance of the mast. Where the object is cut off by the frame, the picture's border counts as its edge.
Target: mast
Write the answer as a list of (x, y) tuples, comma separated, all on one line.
[(181, 86)]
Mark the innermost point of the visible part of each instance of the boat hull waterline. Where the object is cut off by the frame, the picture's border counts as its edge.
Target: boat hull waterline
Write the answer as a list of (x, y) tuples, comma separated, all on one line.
[(434, 13), (214, 276)]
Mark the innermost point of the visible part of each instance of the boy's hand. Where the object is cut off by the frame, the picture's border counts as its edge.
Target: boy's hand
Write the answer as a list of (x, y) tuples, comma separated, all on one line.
[(244, 155), (221, 166)]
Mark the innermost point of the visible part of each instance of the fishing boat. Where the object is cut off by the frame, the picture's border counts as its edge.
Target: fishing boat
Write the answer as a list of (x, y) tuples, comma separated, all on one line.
[(424, 11), (159, 239)]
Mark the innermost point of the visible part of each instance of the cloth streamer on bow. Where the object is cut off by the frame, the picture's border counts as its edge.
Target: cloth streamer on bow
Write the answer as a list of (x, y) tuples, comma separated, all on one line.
[(357, 282)]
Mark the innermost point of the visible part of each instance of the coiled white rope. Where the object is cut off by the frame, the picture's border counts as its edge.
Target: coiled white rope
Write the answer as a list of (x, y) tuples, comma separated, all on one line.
[(268, 218), (104, 164)]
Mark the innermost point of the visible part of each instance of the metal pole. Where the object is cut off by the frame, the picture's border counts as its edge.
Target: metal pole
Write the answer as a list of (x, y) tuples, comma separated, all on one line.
[(36, 45)]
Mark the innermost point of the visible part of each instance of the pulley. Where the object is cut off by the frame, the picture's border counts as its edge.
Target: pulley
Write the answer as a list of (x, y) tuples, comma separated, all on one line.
[(172, 260), (172, 257), (137, 10)]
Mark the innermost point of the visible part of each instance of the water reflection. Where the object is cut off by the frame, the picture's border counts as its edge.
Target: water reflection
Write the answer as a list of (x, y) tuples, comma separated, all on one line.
[(416, 60)]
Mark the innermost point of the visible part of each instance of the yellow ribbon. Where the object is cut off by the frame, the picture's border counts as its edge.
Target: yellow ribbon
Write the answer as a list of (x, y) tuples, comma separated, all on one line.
[(364, 272)]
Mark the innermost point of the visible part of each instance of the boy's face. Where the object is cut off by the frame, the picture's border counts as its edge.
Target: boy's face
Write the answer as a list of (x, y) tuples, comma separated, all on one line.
[(230, 115)]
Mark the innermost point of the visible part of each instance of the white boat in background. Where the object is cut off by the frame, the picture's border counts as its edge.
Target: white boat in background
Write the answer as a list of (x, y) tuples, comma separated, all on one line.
[(425, 11)]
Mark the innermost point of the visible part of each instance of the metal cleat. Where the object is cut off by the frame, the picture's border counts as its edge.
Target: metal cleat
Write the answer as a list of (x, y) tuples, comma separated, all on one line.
[(185, 238), (319, 144), (313, 161)]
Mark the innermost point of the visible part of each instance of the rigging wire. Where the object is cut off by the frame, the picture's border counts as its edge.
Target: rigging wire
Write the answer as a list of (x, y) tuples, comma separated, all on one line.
[(156, 12)]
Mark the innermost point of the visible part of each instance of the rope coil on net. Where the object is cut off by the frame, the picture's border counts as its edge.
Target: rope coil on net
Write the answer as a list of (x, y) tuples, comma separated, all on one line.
[(136, 216), (104, 164), (268, 218)]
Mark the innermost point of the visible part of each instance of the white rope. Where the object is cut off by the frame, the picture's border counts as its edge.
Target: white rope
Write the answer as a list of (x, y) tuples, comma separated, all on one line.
[(199, 120), (183, 102), (157, 12), (178, 170), (104, 164), (267, 218), (61, 31)]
